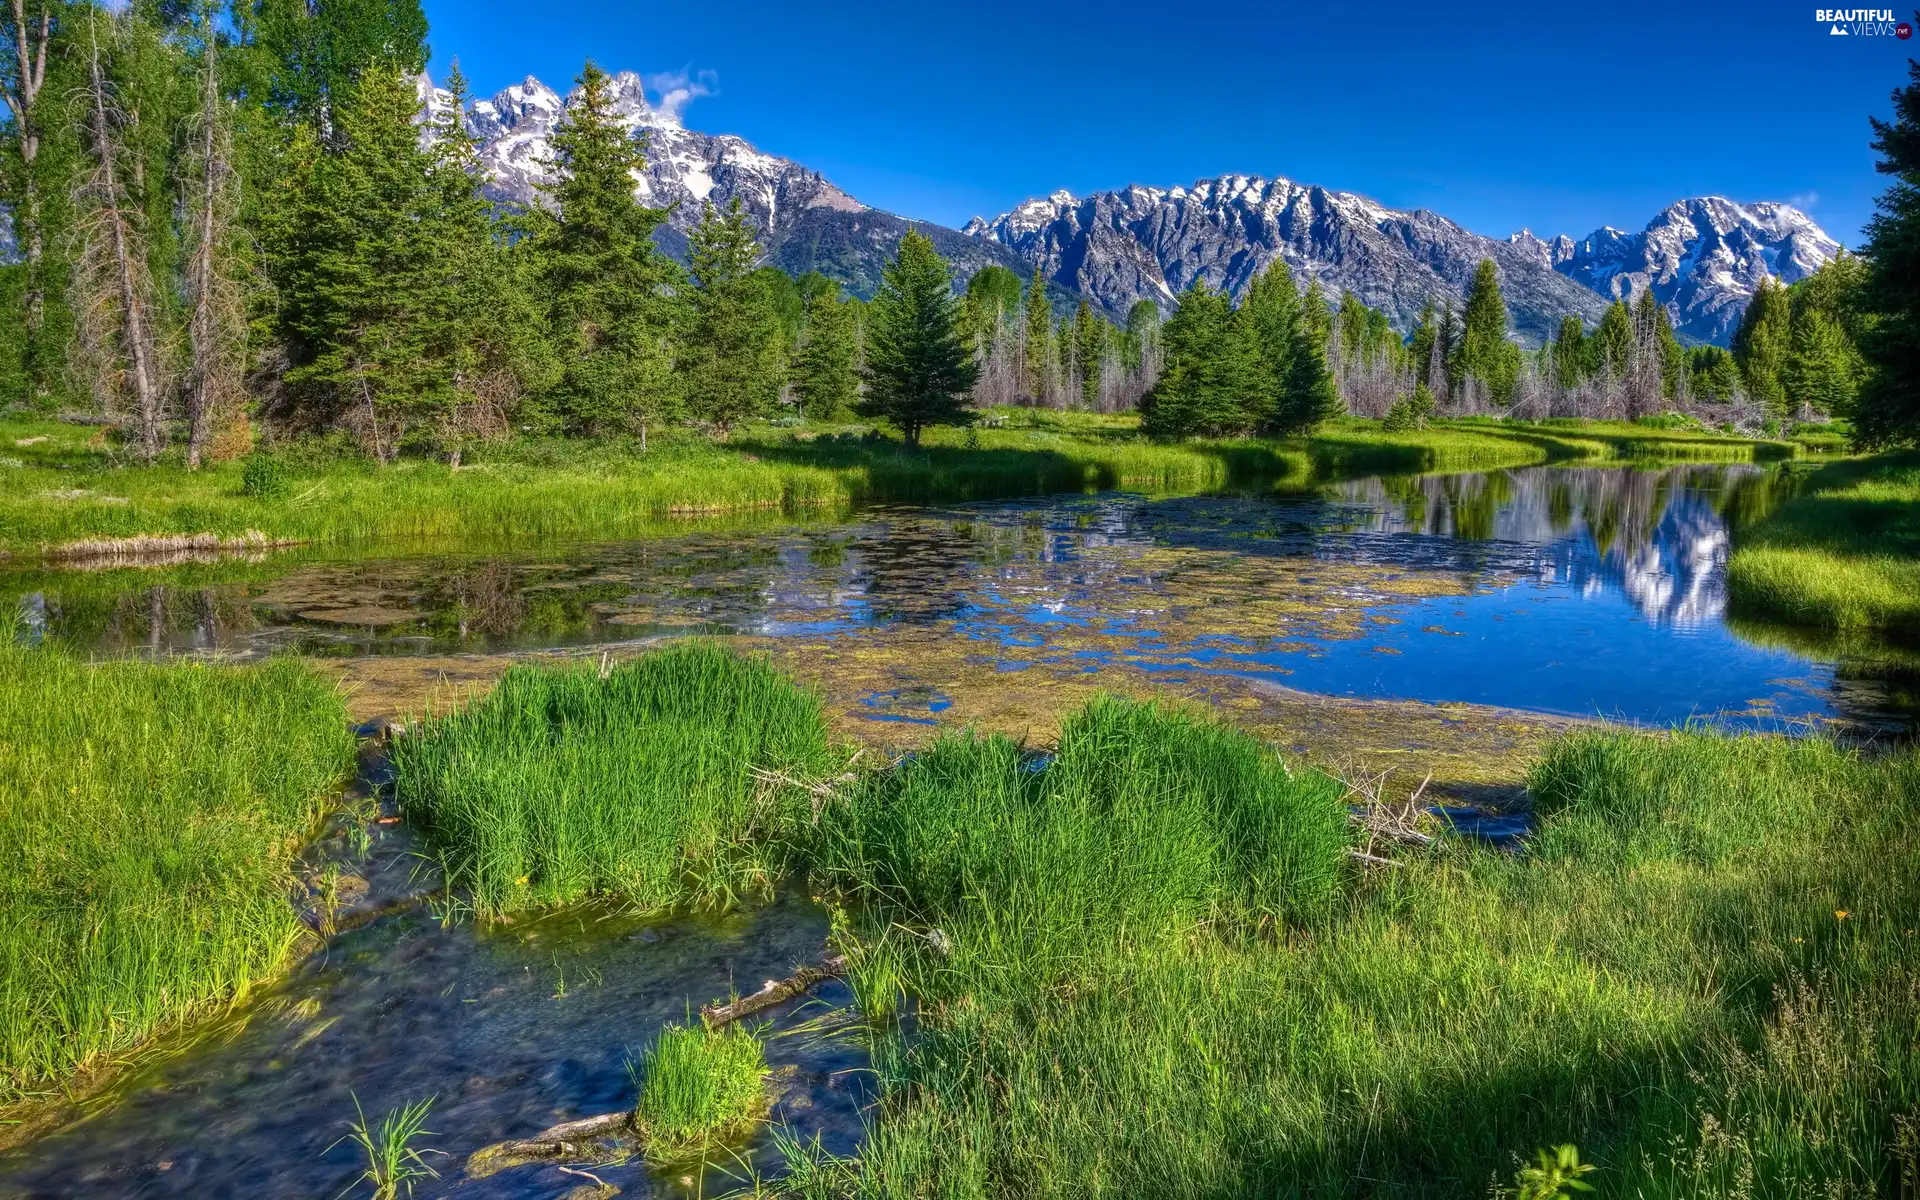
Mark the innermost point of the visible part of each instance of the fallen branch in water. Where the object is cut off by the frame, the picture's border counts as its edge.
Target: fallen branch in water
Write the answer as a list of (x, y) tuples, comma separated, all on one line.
[(565, 1138), (776, 991)]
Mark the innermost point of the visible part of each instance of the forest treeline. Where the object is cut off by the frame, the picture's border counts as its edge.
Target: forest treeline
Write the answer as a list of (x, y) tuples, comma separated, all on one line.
[(245, 216)]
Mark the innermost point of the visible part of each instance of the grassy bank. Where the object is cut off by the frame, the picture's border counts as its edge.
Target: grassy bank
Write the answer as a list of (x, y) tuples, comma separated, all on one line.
[(1148, 966), (63, 487), (1843, 554), (148, 820)]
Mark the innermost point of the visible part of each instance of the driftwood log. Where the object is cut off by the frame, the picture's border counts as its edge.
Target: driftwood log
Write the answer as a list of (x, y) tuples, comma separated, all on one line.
[(776, 991), (567, 1137)]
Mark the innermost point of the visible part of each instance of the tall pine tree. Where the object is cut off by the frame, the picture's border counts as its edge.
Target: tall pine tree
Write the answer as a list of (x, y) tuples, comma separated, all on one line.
[(1484, 354), (732, 355), (1761, 344), (604, 285), (368, 292), (826, 369), (919, 368), (1214, 381), (1039, 327)]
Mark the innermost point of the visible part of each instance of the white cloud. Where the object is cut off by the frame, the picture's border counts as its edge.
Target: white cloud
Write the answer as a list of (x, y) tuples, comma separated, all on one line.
[(1804, 201), (677, 89)]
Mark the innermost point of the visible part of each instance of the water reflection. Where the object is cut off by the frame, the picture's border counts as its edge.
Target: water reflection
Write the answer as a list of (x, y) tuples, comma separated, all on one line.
[(1577, 590)]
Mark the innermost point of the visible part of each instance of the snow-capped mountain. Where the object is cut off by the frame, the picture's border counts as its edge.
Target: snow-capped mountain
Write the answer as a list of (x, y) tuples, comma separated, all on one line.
[(1155, 242), (805, 221), (1703, 258)]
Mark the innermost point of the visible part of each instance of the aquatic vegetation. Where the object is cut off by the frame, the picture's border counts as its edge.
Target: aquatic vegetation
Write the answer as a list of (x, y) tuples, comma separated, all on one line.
[(393, 1163), (149, 815), (699, 1088), (657, 781), (1843, 554)]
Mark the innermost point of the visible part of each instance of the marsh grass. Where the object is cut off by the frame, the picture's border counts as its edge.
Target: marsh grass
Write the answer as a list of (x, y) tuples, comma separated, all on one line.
[(1843, 554), (635, 782), (149, 815), (1664, 979), (699, 1089)]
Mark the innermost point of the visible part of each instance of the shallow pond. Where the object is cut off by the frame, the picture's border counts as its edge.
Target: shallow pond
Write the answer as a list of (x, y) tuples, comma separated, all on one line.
[(511, 1030), (1578, 591)]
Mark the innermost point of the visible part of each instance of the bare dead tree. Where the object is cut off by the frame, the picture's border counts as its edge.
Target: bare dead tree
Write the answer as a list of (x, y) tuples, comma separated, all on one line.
[(216, 324), (112, 283), (23, 73)]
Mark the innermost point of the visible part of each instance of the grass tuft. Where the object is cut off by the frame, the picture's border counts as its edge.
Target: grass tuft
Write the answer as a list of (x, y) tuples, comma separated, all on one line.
[(699, 1089), (637, 783)]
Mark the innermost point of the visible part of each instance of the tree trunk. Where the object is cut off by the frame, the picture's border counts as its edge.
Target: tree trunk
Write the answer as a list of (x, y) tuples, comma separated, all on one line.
[(203, 330), (136, 337), (30, 60)]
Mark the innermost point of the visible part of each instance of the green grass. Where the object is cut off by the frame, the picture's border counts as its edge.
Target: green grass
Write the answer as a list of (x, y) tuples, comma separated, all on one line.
[(1843, 554), (393, 1162), (64, 489), (699, 1089), (1663, 981), (148, 820), (560, 784), (1147, 965)]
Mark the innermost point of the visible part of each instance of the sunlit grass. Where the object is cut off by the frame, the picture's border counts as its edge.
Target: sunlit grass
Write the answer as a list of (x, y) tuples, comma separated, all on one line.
[(1843, 554), (636, 784), (148, 820)]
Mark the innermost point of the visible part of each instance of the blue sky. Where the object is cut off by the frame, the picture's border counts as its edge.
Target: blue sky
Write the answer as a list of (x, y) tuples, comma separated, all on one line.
[(1558, 117)]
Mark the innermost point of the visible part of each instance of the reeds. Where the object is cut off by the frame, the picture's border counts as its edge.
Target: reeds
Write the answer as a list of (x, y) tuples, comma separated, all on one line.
[(636, 782), (148, 820)]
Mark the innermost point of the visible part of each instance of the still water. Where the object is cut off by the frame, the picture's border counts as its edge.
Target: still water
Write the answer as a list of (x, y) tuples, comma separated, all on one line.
[(1575, 591)]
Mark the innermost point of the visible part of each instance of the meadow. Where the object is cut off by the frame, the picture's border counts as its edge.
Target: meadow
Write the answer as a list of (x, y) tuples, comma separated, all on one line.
[(1146, 962), (65, 492), (149, 817), (1842, 554)]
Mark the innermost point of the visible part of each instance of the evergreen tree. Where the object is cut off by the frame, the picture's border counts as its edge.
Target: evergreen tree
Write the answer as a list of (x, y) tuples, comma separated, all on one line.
[(1039, 323), (1090, 350), (1713, 375), (1612, 342), (1820, 370), (918, 368), (369, 292), (1420, 343), (1214, 380), (314, 50), (1761, 343), (1888, 412), (1272, 310), (1353, 324), (825, 371), (604, 285), (1570, 353), (489, 328), (1310, 396), (1484, 353), (732, 355)]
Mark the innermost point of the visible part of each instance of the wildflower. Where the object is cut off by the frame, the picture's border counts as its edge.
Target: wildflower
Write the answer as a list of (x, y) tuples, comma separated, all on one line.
[(1839, 914)]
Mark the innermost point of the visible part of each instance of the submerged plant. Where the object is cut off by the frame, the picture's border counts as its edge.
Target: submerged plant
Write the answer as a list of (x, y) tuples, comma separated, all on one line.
[(393, 1164), (699, 1088)]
